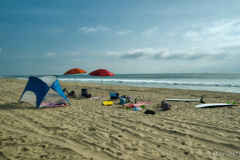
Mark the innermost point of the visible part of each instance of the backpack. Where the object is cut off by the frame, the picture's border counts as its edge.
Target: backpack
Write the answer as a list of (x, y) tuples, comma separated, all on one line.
[(164, 106), (71, 93)]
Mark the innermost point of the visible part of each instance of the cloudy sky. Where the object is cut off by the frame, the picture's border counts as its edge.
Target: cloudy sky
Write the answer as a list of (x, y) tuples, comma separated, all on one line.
[(123, 36)]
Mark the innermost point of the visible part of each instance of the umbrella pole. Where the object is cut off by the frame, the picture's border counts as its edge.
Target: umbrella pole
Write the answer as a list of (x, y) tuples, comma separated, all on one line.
[(76, 80), (101, 84)]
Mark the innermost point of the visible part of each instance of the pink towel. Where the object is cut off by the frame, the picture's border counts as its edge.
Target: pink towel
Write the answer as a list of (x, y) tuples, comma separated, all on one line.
[(137, 104), (57, 103)]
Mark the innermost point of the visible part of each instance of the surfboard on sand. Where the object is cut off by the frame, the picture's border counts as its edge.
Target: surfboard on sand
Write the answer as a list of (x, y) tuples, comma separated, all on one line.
[(212, 105), (186, 100)]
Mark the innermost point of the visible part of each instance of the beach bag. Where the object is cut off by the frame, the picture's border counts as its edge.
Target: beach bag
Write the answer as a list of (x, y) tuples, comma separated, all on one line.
[(164, 106), (122, 101), (148, 111), (71, 93)]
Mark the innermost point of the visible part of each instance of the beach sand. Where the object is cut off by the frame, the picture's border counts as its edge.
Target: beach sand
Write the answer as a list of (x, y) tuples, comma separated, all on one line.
[(88, 130)]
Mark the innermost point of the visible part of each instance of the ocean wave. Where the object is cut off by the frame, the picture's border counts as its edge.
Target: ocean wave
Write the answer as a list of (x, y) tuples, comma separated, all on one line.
[(157, 82)]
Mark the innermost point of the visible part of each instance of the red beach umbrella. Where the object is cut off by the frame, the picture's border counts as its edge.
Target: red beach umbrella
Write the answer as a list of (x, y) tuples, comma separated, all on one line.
[(75, 71), (102, 73)]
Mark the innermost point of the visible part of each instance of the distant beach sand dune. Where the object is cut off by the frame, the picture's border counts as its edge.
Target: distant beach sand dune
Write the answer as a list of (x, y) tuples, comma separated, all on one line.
[(88, 130)]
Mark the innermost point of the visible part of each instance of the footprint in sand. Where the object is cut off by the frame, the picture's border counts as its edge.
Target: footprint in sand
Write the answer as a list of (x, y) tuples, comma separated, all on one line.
[(131, 149), (2, 156), (238, 138), (186, 153), (92, 129), (23, 149), (183, 143)]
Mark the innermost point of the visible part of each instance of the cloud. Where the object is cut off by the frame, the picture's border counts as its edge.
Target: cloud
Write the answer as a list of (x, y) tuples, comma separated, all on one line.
[(140, 53), (122, 33), (50, 54), (93, 29), (172, 33), (79, 51), (232, 52), (149, 31), (224, 32)]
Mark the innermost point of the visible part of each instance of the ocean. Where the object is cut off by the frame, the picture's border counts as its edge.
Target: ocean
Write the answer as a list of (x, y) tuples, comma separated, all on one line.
[(223, 82)]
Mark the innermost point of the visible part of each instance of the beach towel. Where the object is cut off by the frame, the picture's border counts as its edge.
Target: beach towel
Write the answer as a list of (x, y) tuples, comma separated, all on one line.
[(137, 108), (139, 104), (95, 98), (57, 103)]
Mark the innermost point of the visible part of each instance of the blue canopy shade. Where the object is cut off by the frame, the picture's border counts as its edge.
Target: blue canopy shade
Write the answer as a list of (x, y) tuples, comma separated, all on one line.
[(37, 88)]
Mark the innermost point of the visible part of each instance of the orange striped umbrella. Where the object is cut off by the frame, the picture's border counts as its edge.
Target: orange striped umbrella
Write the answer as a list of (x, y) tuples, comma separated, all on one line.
[(75, 71)]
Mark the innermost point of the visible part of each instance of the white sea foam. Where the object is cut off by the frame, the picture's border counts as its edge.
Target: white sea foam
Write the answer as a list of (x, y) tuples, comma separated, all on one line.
[(160, 82), (22, 78), (212, 82)]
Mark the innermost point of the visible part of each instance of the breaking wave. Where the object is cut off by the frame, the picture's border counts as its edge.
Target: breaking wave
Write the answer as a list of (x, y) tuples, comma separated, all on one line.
[(156, 82)]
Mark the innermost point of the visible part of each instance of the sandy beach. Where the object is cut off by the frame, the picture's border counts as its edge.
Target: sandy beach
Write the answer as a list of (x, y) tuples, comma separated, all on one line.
[(88, 130)]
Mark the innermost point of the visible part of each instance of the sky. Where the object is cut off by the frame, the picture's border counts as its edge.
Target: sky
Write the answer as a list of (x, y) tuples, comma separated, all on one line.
[(42, 37)]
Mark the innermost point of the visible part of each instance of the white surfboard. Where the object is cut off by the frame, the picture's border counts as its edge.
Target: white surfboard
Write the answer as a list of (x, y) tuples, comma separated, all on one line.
[(212, 105), (184, 100)]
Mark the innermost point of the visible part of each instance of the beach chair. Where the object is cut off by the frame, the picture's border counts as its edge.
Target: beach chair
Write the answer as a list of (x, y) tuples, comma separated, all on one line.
[(85, 93), (65, 92)]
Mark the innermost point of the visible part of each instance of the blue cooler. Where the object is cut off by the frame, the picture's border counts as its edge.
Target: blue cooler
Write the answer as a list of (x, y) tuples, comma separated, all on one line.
[(114, 95), (122, 101)]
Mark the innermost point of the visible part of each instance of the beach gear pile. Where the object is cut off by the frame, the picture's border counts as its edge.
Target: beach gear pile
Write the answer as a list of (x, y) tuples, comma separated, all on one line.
[(127, 102)]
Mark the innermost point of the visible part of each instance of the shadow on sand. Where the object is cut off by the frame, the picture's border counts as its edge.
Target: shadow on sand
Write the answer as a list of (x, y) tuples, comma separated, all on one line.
[(12, 106)]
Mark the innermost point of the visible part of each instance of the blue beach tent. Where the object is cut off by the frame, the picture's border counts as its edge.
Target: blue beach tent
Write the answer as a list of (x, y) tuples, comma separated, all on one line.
[(41, 88)]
